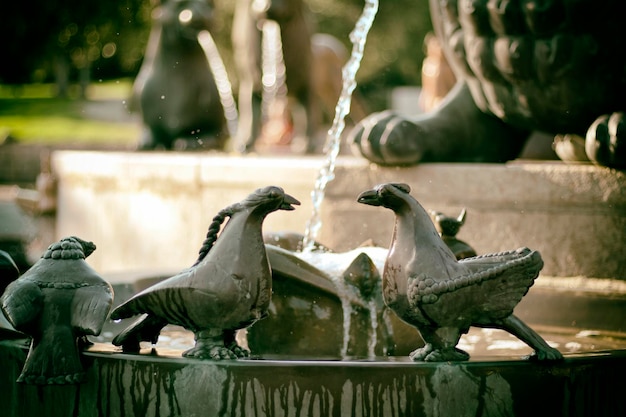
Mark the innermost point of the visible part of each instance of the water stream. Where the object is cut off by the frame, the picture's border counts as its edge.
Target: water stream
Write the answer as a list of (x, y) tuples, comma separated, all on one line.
[(358, 37), (224, 87), (273, 67)]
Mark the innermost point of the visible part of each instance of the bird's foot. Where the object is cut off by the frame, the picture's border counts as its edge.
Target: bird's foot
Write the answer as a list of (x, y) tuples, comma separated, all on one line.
[(239, 351), (430, 354), (209, 351), (546, 354)]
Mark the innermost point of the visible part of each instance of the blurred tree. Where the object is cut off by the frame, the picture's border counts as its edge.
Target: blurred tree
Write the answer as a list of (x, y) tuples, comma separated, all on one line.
[(64, 39)]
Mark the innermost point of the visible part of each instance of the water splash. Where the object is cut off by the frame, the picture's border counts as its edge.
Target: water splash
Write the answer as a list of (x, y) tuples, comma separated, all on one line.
[(273, 66), (358, 37), (224, 87)]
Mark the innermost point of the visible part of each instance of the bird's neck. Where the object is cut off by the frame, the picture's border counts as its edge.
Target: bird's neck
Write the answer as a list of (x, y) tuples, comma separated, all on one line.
[(415, 237), (243, 235)]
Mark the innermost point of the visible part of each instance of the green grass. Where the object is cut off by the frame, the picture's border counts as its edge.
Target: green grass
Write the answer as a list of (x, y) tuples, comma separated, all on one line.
[(34, 115)]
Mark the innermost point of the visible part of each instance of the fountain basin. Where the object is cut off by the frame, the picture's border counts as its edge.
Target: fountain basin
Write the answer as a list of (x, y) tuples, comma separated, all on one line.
[(144, 385), (302, 374), (151, 210)]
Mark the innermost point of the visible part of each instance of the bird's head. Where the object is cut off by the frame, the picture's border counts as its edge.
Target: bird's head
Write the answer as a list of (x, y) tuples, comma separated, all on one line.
[(70, 248), (388, 195), (270, 199)]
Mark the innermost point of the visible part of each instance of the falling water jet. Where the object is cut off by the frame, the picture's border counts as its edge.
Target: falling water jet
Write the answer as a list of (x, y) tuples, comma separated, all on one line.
[(224, 87), (358, 37), (273, 66)]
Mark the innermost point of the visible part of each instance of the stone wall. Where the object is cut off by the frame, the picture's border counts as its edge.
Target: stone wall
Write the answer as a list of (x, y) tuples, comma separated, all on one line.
[(151, 210)]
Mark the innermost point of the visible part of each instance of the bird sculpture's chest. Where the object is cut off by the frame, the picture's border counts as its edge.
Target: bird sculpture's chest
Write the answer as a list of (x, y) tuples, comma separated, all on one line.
[(398, 283), (245, 259)]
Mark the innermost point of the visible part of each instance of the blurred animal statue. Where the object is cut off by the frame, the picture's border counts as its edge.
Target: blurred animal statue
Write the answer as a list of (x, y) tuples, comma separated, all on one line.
[(58, 302), (175, 89), (553, 67), (428, 288), (313, 68), (227, 289)]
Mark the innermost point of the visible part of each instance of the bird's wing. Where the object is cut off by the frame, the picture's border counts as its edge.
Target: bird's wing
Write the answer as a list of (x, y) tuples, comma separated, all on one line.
[(21, 304), (494, 283), (90, 308)]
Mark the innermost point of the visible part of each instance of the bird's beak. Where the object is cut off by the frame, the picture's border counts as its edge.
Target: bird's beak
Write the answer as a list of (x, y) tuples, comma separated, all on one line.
[(369, 197), (287, 203)]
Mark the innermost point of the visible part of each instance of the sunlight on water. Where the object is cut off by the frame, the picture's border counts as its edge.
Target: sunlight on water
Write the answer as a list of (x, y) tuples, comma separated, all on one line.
[(358, 37), (224, 87)]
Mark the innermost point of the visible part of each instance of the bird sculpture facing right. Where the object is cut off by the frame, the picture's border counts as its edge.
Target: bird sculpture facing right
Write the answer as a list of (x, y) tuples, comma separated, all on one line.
[(427, 287), (227, 289)]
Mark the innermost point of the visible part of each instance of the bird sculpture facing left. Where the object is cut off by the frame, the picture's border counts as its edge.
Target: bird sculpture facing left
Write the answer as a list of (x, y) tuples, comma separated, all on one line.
[(428, 288), (58, 302), (228, 288)]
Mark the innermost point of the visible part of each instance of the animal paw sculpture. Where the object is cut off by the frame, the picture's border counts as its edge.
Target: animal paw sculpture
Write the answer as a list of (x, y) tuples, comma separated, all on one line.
[(227, 289), (59, 301), (550, 66), (427, 287)]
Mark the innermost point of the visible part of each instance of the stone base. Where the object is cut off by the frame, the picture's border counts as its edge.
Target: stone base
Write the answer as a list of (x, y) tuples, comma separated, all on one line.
[(152, 210)]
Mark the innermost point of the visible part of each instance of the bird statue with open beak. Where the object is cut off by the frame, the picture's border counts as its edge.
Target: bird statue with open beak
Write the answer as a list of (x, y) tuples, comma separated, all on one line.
[(428, 288), (227, 289)]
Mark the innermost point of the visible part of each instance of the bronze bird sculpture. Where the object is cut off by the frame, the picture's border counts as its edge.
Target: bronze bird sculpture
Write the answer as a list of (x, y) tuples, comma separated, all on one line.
[(427, 287), (58, 302), (228, 288)]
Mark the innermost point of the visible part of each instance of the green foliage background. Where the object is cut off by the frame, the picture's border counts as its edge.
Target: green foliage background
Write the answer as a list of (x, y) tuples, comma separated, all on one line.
[(82, 32)]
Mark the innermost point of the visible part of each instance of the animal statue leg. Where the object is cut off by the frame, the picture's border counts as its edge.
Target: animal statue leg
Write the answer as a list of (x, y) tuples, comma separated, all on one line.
[(210, 344), (440, 346), (519, 329), (606, 141), (456, 131)]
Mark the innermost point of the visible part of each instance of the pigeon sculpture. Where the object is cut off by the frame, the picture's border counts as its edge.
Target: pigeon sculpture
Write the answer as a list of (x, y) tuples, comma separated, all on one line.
[(227, 289), (427, 287), (58, 302)]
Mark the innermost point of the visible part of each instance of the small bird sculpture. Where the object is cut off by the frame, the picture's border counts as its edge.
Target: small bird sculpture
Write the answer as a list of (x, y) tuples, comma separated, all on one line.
[(448, 227), (427, 287), (58, 302), (228, 288)]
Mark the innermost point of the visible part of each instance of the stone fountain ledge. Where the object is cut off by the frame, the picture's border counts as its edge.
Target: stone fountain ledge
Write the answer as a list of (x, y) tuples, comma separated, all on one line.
[(145, 385), (151, 210)]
